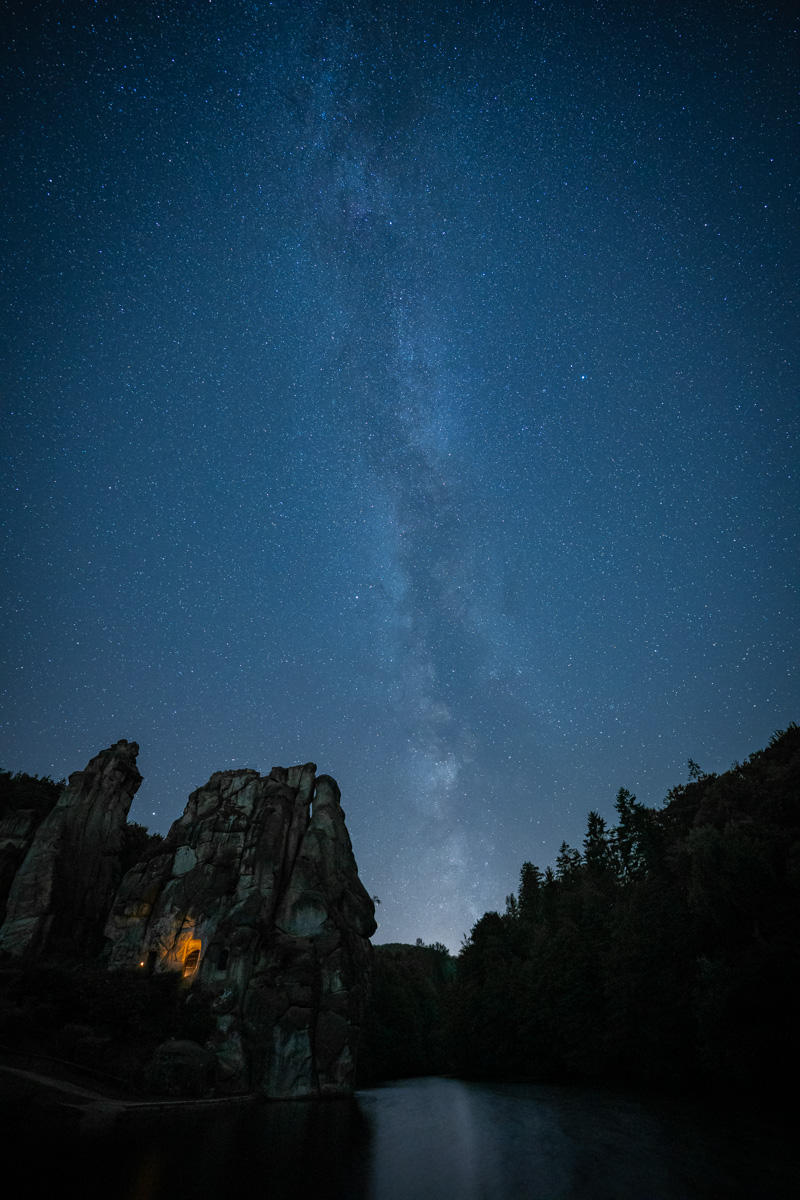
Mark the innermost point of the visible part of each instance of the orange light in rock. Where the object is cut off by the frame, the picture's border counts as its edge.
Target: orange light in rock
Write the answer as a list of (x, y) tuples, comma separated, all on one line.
[(190, 961)]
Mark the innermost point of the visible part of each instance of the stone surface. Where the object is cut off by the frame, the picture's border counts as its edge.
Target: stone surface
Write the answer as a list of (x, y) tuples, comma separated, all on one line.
[(25, 801), (61, 894), (17, 829), (181, 1069), (255, 896)]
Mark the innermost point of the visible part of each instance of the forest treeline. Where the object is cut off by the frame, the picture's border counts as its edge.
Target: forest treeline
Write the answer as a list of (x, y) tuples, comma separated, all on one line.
[(405, 1031), (665, 948)]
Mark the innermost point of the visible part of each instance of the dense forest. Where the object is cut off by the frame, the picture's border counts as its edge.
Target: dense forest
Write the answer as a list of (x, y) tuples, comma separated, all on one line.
[(405, 1031), (665, 949)]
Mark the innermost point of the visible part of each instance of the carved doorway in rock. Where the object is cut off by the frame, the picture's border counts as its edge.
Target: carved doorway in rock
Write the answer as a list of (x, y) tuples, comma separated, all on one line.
[(192, 958)]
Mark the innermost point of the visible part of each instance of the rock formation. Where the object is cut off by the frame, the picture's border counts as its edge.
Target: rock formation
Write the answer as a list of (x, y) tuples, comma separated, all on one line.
[(25, 801), (61, 895), (255, 895)]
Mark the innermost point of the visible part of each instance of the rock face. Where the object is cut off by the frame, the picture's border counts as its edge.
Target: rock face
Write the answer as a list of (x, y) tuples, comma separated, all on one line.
[(17, 829), (61, 894), (255, 895)]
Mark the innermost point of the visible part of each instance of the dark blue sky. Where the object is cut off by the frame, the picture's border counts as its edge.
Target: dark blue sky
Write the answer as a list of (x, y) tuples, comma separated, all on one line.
[(405, 387)]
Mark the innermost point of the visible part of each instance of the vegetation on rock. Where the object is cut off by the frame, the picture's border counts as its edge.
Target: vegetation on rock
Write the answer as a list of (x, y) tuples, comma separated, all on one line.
[(36, 792)]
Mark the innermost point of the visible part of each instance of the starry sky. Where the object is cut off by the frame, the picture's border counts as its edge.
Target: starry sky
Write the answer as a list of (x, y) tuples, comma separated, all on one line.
[(408, 388)]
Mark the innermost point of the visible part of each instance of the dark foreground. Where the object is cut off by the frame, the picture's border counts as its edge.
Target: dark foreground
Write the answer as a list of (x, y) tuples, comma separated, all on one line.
[(421, 1139)]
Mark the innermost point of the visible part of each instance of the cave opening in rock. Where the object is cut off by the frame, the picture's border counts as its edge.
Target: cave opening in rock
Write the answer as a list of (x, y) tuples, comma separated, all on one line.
[(191, 959)]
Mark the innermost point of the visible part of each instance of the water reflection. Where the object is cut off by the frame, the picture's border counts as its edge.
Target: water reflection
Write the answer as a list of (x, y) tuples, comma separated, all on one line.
[(281, 1151), (290, 1151), (442, 1139), (422, 1139)]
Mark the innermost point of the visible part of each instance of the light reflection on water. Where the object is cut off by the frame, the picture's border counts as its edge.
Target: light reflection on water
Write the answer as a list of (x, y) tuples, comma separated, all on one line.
[(423, 1139), (442, 1139)]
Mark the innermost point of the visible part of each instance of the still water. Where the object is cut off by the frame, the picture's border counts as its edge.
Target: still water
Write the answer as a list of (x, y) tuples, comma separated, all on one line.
[(435, 1139)]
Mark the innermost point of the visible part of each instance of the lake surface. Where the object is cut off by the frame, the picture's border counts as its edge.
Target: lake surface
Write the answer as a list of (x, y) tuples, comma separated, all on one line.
[(431, 1139), (443, 1139)]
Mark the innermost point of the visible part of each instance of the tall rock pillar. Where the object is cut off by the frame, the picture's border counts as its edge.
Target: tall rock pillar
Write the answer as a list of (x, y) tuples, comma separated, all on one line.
[(255, 896), (62, 893)]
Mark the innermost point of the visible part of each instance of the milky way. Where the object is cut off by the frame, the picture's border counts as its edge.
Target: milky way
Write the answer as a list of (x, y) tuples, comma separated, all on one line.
[(406, 388)]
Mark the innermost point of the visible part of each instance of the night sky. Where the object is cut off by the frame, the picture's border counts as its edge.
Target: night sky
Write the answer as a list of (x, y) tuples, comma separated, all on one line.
[(405, 387)]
